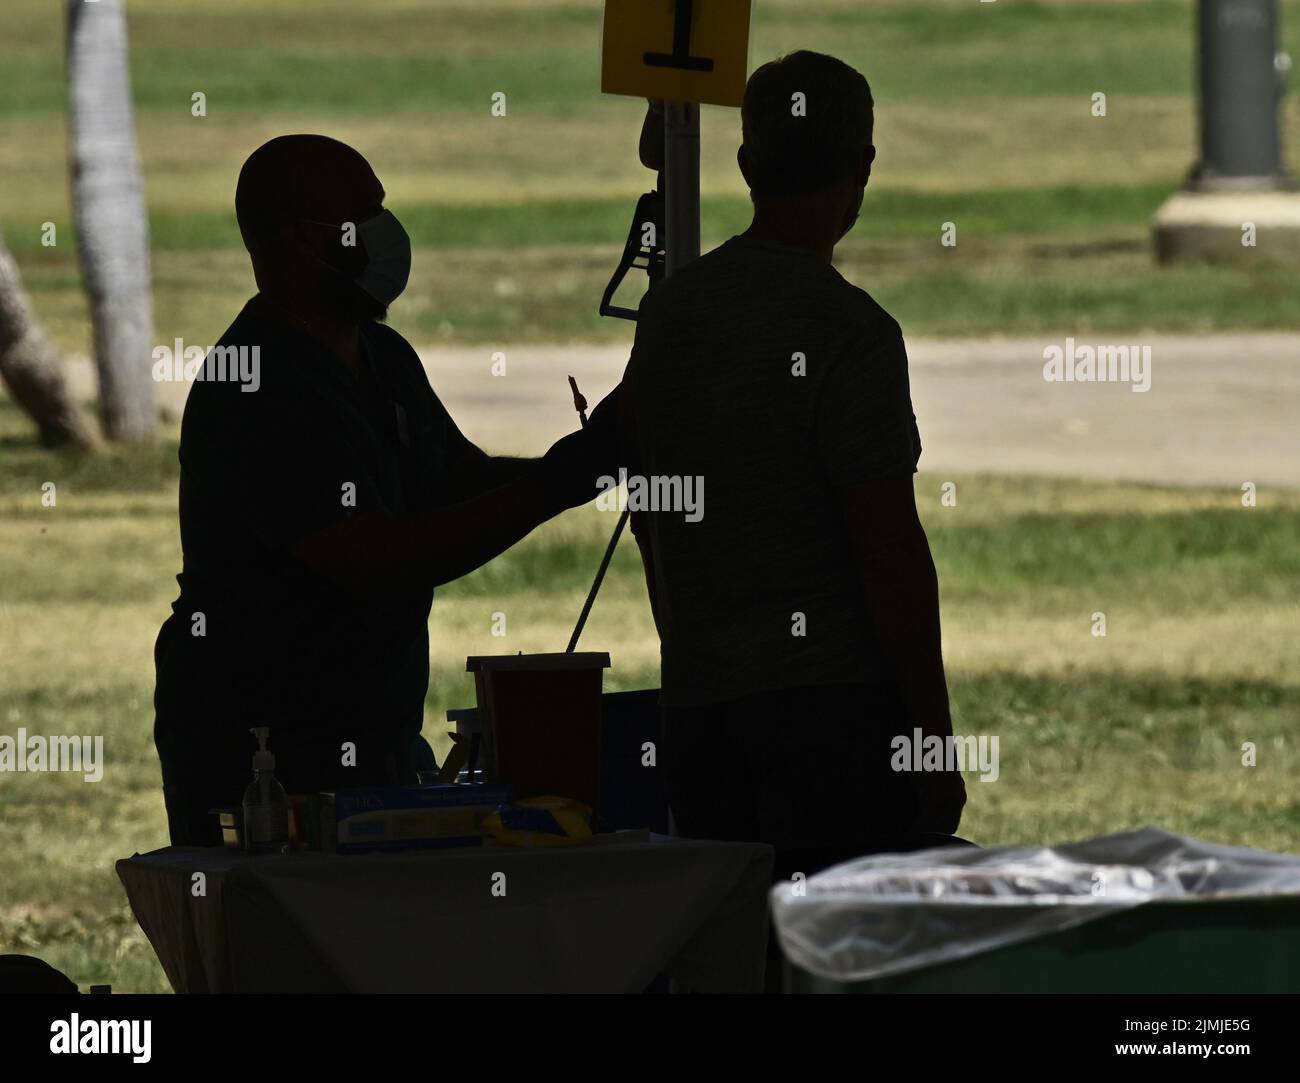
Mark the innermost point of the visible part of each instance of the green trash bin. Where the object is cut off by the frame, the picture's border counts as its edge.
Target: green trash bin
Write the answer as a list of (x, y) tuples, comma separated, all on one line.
[(1142, 912)]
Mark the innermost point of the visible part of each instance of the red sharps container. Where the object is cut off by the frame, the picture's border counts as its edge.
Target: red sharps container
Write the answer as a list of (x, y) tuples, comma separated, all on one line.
[(541, 716)]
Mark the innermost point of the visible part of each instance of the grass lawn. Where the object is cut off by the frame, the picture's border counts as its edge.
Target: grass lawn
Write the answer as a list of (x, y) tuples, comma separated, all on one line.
[(983, 120), (1144, 726)]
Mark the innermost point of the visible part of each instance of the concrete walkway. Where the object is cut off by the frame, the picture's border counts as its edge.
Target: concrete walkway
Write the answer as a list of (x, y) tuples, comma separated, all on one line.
[(1221, 409)]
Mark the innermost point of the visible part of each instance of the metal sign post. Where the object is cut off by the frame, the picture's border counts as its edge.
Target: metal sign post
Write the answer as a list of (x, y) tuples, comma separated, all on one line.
[(681, 183), (678, 56)]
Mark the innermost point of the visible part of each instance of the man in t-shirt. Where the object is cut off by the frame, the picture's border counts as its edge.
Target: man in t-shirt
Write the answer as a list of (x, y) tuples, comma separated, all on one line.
[(797, 603), (325, 492)]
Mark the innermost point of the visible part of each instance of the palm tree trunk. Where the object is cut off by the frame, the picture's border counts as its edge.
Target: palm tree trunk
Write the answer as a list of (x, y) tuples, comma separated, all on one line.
[(29, 367), (109, 215)]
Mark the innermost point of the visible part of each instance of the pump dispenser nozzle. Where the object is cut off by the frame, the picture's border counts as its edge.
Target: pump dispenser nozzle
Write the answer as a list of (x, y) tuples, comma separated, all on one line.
[(266, 806), (263, 758)]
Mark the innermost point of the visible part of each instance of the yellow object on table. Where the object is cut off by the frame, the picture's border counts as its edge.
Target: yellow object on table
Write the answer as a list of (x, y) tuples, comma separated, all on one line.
[(541, 821)]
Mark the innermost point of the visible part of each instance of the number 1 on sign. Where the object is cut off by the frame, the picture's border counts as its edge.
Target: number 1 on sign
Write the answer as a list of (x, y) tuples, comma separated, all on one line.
[(681, 57), (676, 50)]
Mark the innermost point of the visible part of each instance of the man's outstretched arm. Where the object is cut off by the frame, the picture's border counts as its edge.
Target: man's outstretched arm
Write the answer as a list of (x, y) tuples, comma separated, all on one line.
[(379, 554), (481, 472)]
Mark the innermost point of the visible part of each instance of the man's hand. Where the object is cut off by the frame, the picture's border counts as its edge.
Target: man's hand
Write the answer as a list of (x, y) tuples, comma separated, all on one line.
[(575, 463)]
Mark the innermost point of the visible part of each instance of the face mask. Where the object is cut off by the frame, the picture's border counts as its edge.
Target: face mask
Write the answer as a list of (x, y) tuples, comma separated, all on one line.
[(388, 257)]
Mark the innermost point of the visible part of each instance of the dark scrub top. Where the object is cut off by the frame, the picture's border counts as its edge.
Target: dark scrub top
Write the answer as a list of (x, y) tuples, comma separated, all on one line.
[(279, 645)]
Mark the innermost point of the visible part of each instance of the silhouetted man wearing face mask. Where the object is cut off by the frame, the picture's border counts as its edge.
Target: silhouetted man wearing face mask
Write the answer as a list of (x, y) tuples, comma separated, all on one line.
[(798, 616), (321, 502)]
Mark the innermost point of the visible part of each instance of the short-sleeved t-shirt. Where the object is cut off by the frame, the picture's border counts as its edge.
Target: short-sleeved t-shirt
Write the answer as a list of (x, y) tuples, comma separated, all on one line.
[(256, 637), (759, 369)]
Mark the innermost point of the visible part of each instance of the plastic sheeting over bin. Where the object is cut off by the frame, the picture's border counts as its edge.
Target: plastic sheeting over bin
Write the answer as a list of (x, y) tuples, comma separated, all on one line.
[(893, 913)]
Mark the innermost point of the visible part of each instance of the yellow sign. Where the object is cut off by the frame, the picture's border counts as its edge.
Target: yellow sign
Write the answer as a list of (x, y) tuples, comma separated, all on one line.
[(678, 50)]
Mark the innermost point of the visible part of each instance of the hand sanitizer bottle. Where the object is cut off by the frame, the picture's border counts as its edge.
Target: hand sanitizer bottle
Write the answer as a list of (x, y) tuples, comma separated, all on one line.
[(266, 805)]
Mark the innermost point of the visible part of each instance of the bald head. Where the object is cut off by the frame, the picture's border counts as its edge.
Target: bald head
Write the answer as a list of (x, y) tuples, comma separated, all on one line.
[(296, 178)]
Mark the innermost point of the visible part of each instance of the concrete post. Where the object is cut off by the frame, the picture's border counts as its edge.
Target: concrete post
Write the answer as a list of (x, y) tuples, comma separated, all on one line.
[(1239, 204)]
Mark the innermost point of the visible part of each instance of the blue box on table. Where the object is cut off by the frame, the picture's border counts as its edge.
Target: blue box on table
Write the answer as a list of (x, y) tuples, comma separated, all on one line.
[(408, 818)]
